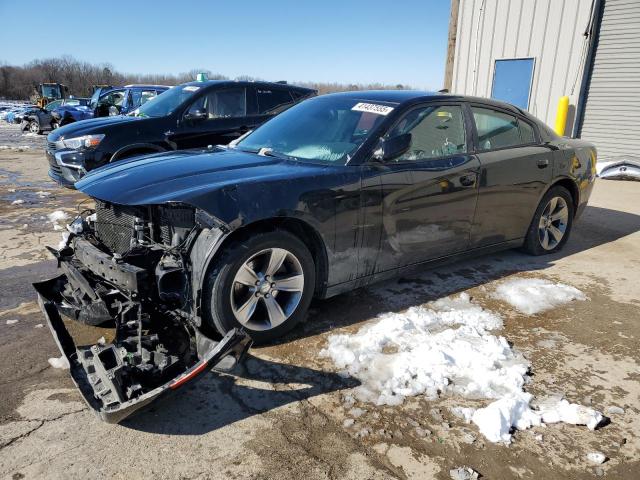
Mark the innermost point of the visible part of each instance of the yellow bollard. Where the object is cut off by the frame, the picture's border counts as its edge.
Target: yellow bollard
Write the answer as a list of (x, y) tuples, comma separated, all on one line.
[(561, 115)]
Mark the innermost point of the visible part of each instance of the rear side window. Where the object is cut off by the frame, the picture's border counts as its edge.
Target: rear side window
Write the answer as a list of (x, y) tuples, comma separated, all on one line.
[(272, 100), (229, 103), (495, 129)]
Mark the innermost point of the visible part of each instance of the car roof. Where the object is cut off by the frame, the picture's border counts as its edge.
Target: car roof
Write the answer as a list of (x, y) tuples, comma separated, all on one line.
[(416, 96), (144, 85), (208, 83)]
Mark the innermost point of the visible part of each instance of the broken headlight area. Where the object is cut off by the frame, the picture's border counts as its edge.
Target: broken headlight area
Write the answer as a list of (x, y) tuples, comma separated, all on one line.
[(127, 269)]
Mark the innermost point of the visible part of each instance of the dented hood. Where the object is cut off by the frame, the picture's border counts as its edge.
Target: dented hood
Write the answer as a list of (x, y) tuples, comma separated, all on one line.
[(184, 176)]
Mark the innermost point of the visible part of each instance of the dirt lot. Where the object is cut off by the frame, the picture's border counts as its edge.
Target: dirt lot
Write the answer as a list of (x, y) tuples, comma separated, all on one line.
[(284, 416)]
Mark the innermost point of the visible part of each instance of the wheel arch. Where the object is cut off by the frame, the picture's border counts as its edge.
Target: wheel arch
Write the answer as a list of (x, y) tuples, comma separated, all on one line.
[(136, 147), (301, 229), (571, 186)]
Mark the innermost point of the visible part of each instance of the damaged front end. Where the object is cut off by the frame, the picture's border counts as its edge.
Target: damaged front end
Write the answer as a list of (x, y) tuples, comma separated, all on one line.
[(129, 269)]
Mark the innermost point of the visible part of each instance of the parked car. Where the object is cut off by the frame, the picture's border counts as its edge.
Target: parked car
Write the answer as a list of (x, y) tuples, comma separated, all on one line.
[(335, 193), (40, 120), (192, 115), (107, 102)]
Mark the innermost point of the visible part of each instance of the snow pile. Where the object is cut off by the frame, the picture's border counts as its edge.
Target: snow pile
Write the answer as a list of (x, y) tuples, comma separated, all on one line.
[(448, 348), (17, 202), (463, 473), (57, 216), (12, 322), (414, 352), (495, 420), (533, 295), (61, 362)]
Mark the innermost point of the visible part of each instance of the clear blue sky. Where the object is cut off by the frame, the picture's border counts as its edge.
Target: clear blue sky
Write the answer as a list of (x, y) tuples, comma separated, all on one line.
[(402, 41)]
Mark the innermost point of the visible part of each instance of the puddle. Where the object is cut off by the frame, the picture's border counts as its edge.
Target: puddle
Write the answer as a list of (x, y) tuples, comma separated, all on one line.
[(9, 178)]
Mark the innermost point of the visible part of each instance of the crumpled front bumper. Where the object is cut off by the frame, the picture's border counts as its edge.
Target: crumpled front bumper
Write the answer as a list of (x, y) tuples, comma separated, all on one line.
[(234, 345)]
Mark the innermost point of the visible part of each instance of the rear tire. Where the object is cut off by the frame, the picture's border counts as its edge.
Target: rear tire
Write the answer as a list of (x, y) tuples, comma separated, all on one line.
[(551, 224), (262, 284)]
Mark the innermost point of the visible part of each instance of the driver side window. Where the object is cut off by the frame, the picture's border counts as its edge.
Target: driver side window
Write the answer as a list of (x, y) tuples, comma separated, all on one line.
[(436, 131)]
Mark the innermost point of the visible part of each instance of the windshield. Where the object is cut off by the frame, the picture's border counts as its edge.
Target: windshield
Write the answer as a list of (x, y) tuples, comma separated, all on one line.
[(167, 102), (328, 129)]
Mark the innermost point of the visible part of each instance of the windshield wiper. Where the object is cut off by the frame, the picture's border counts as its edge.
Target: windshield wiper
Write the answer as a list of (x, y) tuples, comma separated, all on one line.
[(268, 152)]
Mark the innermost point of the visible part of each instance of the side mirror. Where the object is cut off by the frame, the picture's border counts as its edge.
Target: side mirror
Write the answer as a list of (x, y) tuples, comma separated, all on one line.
[(393, 147), (196, 115)]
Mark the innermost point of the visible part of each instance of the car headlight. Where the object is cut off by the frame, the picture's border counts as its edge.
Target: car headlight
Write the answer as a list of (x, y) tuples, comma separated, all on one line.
[(86, 141)]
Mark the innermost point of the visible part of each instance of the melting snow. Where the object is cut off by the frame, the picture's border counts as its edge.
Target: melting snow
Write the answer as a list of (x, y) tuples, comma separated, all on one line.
[(533, 295), (12, 322), (57, 216), (596, 457), (61, 362), (447, 347), (17, 202), (63, 242)]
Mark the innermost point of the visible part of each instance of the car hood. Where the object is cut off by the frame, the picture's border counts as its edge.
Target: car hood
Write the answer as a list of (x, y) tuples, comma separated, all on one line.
[(93, 125), (186, 176)]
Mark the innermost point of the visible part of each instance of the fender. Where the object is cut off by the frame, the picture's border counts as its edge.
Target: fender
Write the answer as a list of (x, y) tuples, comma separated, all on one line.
[(211, 239), (136, 146)]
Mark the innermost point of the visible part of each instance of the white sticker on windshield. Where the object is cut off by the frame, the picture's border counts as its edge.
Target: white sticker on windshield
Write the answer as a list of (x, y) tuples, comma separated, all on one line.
[(372, 108), (191, 88)]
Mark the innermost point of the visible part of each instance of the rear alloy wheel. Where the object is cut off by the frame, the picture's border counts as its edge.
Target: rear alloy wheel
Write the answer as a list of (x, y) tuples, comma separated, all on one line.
[(34, 127), (551, 224), (263, 285)]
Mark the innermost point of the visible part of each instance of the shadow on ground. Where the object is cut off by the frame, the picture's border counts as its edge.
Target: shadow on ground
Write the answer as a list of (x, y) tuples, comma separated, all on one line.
[(218, 400)]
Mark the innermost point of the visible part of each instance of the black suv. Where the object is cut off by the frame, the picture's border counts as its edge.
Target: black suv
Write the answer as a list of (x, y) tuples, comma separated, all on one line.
[(192, 115)]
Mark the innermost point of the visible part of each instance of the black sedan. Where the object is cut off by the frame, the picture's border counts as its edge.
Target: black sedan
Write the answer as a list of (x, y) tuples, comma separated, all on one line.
[(333, 194)]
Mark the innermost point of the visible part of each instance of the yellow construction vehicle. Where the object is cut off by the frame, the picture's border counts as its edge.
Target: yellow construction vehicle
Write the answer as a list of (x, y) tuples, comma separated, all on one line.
[(48, 92)]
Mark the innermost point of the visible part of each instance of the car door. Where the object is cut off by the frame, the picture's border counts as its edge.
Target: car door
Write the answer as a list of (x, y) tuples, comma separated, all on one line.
[(428, 194), (515, 169), (224, 121), (110, 103)]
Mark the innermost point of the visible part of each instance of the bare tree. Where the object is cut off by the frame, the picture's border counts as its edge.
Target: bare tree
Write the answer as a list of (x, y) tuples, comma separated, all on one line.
[(19, 82)]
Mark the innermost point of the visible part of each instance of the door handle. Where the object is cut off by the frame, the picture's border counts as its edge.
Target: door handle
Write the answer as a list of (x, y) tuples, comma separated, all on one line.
[(543, 163), (468, 180)]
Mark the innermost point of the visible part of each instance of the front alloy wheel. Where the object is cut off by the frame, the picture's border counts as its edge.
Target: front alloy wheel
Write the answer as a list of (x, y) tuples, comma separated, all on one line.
[(267, 289), (262, 282)]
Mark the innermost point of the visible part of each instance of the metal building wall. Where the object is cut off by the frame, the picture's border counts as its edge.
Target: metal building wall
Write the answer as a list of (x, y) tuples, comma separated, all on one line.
[(550, 31), (611, 116)]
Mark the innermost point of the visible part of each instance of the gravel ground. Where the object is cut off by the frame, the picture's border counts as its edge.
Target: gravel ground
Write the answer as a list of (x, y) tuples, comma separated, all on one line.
[(284, 416)]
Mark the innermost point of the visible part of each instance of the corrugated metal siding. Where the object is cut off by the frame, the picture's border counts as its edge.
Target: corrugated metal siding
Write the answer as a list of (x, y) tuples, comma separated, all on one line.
[(548, 30), (612, 109)]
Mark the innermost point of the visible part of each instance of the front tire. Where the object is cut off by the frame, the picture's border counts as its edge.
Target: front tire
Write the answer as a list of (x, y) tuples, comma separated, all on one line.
[(551, 224), (263, 284)]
